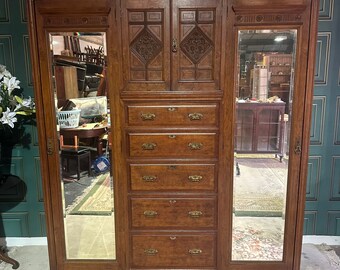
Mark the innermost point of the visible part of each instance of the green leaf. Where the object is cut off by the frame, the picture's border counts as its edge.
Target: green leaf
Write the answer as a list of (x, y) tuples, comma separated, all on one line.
[(18, 99)]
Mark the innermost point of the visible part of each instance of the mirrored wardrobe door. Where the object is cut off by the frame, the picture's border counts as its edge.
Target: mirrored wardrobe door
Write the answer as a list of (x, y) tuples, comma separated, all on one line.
[(78, 68), (264, 119)]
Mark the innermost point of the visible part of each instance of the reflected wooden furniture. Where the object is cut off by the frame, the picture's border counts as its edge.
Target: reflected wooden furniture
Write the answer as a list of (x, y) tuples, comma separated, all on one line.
[(90, 131), (259, 127), (75, 153)]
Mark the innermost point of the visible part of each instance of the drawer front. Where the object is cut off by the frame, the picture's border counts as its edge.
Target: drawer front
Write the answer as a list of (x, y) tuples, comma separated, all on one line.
[(177, 177), (188, 213), (201, 145), (184, 251), (145, 115)]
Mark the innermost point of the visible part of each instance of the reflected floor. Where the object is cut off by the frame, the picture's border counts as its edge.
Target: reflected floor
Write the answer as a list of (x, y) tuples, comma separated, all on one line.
[(259, 209), (90, 237), (89, 218)]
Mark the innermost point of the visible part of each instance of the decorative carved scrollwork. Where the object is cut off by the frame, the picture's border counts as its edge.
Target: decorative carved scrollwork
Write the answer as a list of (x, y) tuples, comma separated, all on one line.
[(146, 46), (268, 18), (75, 20), (196, 45)]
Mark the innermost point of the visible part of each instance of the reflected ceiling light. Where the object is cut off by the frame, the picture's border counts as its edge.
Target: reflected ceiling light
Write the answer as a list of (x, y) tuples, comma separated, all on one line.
[(280, 38), (54, 42)]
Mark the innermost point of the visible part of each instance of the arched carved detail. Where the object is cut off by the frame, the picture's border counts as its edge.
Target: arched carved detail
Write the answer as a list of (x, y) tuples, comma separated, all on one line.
[(268, 18), (80, 20)]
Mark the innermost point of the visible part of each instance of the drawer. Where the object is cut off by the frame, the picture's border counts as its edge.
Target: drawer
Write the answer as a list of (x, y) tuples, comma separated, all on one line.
[(184, 213), (157, 115), (194, 145), (176, 177), (182, 251)]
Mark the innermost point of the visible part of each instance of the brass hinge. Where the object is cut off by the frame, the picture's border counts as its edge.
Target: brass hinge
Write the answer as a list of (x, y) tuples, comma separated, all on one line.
[(50, 146)]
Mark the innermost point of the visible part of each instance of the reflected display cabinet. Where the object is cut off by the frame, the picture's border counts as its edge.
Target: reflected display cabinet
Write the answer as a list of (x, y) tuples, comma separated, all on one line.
[(181, 168)]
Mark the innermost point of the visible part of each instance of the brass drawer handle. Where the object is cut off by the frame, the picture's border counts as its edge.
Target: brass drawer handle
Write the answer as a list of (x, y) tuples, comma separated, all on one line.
[(195, 116), (172, 136), (150, 213), (195, 251), (195, 146), (148, 116), (195, 214), (149, 178), (149, 146), (151, 251), (195, 178)]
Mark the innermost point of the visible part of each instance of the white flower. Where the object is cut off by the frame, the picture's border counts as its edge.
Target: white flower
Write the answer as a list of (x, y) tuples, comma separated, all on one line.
[(27, 102), (11, 84), (4, 72), (8, 118)]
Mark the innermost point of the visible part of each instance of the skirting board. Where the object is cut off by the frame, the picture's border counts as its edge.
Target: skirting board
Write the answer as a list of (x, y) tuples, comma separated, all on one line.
[(42, 241), (24, 241)]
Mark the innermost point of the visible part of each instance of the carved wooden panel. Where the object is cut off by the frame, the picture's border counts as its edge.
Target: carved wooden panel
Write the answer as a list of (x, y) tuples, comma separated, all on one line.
[(268, 18), (75, 20), (195, 46), (146, 46)]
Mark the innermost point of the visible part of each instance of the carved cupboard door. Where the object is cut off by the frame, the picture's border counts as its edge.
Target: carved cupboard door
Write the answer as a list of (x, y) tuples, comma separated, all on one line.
[(146, 45), (196, 45), (180, 51)]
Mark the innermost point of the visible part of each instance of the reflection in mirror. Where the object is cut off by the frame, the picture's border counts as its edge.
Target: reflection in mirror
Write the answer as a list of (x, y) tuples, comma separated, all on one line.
[(83, 126), (264, 93)]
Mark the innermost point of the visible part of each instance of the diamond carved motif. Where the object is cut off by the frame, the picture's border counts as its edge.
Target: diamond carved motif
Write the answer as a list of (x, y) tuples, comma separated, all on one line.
[(146, 46), (196, 45)]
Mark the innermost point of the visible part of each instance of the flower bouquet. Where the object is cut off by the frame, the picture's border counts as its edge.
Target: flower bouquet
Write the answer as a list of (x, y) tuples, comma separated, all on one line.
[(13, 107), (15, 112)]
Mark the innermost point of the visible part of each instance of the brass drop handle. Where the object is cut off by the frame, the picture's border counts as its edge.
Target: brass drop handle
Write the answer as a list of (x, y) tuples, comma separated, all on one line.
[(150, 213), (149, 146), (195, 146), (298, 149), (195, 214), (151, 251), (149, 178), (174, 45), (195, 251), (172, 136), (148, 116), (195, 116), (195, 178)]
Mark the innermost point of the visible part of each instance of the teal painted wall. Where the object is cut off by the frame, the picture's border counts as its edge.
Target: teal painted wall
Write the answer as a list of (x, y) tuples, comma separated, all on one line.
[(21, 207), (323, 190), (25, 217)]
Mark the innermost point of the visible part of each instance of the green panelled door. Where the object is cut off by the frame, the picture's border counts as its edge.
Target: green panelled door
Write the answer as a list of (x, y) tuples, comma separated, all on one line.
[(322, 214), (21, 207)]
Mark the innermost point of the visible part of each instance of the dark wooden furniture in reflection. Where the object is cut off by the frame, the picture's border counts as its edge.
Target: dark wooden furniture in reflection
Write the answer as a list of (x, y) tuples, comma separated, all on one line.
[(260, 127), (74, 154), (90, 131)]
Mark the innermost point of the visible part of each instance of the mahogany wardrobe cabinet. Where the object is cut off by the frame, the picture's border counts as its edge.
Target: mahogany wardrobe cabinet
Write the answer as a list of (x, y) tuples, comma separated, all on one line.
[(173, 134)]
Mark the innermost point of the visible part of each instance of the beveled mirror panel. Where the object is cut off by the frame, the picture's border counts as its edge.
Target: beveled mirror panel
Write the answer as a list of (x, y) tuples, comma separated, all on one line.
[(83, 127), (264, 93)]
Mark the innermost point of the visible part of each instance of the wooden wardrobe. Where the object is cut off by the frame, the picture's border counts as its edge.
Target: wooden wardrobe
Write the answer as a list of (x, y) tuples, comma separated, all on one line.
[(174, 69)]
